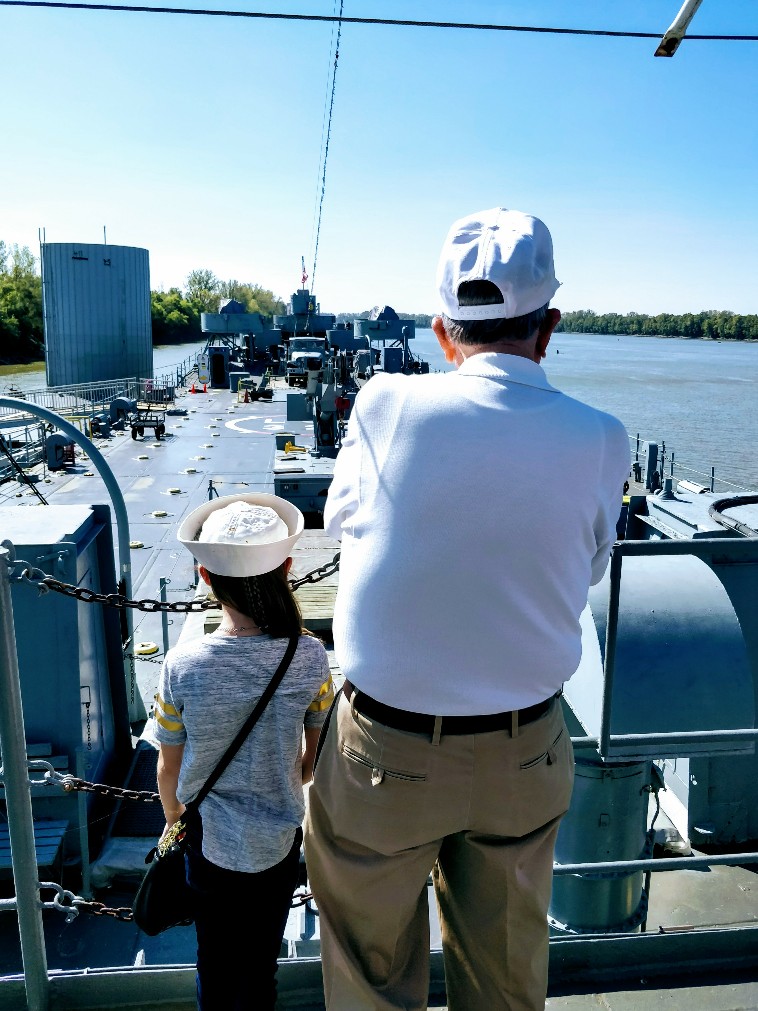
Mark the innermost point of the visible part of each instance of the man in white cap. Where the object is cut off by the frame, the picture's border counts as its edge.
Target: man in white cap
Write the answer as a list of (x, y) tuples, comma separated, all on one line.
[(475, 508)]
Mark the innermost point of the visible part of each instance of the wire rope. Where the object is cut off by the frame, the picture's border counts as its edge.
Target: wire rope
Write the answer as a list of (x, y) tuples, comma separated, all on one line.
[(326, 146), (392, 22), (323, 134)]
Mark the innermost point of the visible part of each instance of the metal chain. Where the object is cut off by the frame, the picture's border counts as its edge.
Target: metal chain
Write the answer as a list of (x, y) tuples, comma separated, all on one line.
[(301, 899), (315, 575), (70, 904), (36, 577), (118, 600), (71, 784), (123, 913), (132, 680)]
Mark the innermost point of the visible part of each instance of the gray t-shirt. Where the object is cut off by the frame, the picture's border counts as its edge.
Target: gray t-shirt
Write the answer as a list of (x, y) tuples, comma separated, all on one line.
[(207, 690)]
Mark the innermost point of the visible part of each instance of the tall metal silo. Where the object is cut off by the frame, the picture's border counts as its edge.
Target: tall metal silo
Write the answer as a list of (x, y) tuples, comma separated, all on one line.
[(96, 303)]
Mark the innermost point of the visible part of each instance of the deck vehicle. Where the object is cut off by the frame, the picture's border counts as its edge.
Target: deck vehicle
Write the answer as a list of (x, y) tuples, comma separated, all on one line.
[(304, 355)]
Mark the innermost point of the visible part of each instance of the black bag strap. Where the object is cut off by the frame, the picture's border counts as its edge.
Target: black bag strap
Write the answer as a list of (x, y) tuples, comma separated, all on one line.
[(250, 722), (325, 727)]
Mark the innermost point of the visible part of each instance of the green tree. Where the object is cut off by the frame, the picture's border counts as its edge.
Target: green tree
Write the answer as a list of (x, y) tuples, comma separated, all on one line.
[(203, 289), (713, 324), (206, 291), (21, 327), (175, 318)]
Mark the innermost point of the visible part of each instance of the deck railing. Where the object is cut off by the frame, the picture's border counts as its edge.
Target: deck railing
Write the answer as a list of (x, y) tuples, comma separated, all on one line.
[(670, 466)]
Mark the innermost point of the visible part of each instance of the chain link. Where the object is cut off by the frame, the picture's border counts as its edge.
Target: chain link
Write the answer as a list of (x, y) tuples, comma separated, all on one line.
[(132, 679), (301, 899), (118, 600), (123, 913), (71, 784), (315, 575), (36, 577), (70, 904)]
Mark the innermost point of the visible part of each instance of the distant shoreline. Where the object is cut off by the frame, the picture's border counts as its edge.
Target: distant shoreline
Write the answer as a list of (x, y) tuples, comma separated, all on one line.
[(32, 364)]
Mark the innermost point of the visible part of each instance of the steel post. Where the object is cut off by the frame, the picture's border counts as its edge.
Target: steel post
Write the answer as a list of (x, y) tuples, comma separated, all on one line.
[(609, 657), (19, 805)]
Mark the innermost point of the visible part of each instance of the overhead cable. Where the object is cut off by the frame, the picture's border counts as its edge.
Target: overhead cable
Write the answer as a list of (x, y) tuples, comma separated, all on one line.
[(330, 65), (326, 145), (392, 22)]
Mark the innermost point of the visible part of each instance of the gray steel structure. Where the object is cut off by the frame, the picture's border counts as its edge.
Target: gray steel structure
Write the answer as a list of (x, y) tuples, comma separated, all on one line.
[(96, 304)]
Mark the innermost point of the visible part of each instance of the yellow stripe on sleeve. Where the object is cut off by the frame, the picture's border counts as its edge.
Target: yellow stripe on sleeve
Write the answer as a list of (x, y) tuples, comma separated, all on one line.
[(163, 711), (324, 698), (168, 724), (167, 707)]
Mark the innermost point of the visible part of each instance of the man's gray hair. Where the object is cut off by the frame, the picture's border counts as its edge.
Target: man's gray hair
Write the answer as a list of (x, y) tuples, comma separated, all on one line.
[(490, 331)]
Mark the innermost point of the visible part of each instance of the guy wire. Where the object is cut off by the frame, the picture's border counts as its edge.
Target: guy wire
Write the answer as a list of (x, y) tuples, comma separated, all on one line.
[(326, 145)]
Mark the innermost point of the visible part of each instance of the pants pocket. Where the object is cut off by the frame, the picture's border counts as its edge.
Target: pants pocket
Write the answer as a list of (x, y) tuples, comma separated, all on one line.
[(544, 783), (379, 770), (548, 756)]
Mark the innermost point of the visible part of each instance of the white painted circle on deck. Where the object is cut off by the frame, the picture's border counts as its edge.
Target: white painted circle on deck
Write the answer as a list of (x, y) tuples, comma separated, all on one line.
[(239, 425)]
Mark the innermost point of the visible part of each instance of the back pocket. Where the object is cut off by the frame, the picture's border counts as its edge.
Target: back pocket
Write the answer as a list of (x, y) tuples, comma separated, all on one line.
[(549, 756), (379, 772)]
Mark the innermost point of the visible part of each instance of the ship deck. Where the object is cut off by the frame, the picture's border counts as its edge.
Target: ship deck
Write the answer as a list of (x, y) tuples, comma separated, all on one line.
[(222, 446)]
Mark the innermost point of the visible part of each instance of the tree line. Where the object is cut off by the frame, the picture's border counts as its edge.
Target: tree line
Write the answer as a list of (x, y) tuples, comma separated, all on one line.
[(176, 312), (422, 319), (711, 325)]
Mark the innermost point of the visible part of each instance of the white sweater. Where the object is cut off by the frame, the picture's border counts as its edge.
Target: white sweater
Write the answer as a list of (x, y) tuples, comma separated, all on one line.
[(475, 508)]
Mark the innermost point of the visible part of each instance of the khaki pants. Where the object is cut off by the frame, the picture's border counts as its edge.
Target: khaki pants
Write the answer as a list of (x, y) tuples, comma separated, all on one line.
[(481, 811)]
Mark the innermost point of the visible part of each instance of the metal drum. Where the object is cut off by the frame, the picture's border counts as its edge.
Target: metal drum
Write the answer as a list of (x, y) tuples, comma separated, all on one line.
[(607, 821)]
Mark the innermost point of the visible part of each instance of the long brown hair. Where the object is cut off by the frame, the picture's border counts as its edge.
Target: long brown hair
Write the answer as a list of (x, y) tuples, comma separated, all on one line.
[(267, 599)]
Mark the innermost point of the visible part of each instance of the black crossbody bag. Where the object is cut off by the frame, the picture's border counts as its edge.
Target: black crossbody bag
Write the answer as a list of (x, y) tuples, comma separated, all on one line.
[(164, 899)]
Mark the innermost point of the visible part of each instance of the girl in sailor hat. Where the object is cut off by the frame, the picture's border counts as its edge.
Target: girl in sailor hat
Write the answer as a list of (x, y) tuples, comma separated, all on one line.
[(244, 848)]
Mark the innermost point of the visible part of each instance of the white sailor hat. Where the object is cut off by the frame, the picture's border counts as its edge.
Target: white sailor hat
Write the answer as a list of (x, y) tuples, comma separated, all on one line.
[(242, 535)]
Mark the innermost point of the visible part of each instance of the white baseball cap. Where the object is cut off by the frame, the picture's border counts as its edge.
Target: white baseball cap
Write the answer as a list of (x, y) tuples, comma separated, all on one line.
[(511, 249), (242, 535)]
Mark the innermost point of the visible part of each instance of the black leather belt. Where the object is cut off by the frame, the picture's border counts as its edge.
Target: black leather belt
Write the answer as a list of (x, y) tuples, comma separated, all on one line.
[(422, 723)]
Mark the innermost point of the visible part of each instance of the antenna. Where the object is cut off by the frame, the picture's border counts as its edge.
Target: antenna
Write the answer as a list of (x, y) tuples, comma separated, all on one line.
[(104, 239)]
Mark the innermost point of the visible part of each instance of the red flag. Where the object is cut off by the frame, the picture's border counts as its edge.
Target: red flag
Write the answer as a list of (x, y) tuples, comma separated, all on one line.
[(305, 276)]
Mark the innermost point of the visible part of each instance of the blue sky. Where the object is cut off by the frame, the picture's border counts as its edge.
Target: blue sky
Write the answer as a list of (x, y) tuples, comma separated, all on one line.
[(199, 139)]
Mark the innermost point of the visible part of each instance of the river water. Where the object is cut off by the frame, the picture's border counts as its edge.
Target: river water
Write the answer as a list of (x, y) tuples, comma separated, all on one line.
[(699, 397)]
